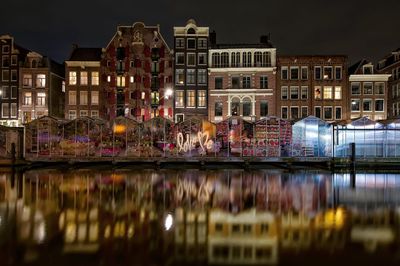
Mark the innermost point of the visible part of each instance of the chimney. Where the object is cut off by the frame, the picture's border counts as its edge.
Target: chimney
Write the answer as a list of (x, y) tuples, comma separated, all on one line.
[(264, 39), (213, 38)]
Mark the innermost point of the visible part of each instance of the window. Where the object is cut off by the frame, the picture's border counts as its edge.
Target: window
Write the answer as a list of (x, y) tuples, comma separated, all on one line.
[(14, 75), (202, 76), (202, 59), (235, 82), (294, 112), (5, 61), (41, 99), (191, 59), (27, 80), (246, 80), (304, 72), (379, 88), (235, 107), (6, 49), (94, 113), (367, 87), (179, 76), (191, 76), (304, 111), (191, 98), (179, 43), (83, 97), (14, 92), (338, 72), (327, 92), (328, 115), (247, 108), (367, 105), (191, 43), (201, 98), (179, 99), (120, 81), (5, 110), (317, 73), (224, 59), (246, 59), (202, 43), (338, 113), (218, 82), (94, 97), (84, 78), (218, 109), (379, 105), (338, 93), (27, 100), (294, 73), (367, 70), (317, 111), (72, 97), (304, 92), (5, 92), (264, 82), (263, 108), (294, 93), (317, 92), (180, 58), (328, 73), (284, 112), (355, 105), (284, 73), (284, 93), (355, 88), (215, 60), (13, 110), (72, 78), (83, 113), (72, 114), (95, 78), (235, 59), (6, 75), (258, 59)]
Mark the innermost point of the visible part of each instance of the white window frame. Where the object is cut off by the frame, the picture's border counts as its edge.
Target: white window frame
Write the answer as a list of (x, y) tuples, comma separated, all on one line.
[(324, 116), (287, 112), (183, 56), (194, 58), (341, 112), (379, 99)]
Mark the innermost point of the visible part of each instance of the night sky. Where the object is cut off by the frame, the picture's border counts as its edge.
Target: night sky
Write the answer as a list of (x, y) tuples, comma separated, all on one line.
[(360, 29)]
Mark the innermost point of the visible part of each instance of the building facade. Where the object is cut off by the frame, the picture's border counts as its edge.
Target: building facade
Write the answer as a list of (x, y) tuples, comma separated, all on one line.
[(241, 80), (368, 91), (84, 96), (312, 85), (12, 55), (137, 74), (190, 71), (390, 64), (41, 85)]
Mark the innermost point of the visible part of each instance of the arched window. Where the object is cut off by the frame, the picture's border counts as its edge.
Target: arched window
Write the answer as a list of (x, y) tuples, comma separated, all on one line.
[(258, 59), (235, 59), (247, 59), (235, 107), (266, 59), (246, 107), (191, 31), (224, 59), (215, 60)]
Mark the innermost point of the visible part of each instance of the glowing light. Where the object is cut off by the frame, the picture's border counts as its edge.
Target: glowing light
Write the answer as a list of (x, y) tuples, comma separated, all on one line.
[(168, 93), (169, 220), (119, 129)]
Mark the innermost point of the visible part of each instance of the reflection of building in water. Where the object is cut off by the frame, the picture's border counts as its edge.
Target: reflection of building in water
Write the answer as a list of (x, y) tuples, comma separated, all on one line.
[(190, 234), (330, 229), (249, 237), (295, 231), (373, 229)]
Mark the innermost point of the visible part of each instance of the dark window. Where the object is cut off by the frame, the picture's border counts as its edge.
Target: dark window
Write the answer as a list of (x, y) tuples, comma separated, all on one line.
[(218, 112), (235, 83), (264, 108), (120, 53), (235, 108), (246, 109), (191, 43), (318, 112), (218, 82), (294, 73), (317, 73), (284, 73), (338, 113), (304, 112), (379, 105), (246, 82), (263, 82), (294, 112)]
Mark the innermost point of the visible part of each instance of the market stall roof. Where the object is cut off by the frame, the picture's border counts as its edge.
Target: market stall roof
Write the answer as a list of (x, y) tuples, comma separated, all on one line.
[(52, 118), (360, 122), (310, 118), (386, 122), (123, 119), (157, 119), (233, 118)]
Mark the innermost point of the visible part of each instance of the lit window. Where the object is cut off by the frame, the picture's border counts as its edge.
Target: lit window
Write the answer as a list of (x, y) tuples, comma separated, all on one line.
[(95, 97), (83, 97), (72, 97), (120, 81), (179, 76), (317, 92), (71, 114), (327, 92), (27, 100), (338, 93), (328, 72), (41, 81), (95, 78), (201, 98), (179, 99), (84, 78), (27, 80), (72, 78), (41, 99), (191, 98)]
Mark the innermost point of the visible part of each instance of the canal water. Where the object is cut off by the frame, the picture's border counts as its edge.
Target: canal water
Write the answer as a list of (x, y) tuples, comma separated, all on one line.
[(121, 216)]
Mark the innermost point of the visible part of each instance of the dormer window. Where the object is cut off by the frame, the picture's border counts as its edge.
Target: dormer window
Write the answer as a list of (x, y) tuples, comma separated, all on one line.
[(34, 64), (191, 31), (367, 70)]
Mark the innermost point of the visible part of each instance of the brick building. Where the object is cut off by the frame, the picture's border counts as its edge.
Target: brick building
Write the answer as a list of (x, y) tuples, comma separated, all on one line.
[(368, 91), (41, 85), (83, 90), (12, 56), (312, 85), (190, 68), (136, 73), (390, 64), (241, 80)]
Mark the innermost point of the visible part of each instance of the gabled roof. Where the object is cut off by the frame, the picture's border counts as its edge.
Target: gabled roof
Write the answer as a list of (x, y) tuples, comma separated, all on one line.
[(85, 54), (355, 68)]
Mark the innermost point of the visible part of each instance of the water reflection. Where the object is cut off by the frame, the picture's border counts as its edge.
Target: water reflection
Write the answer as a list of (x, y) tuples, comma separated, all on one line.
[(124, 217)]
